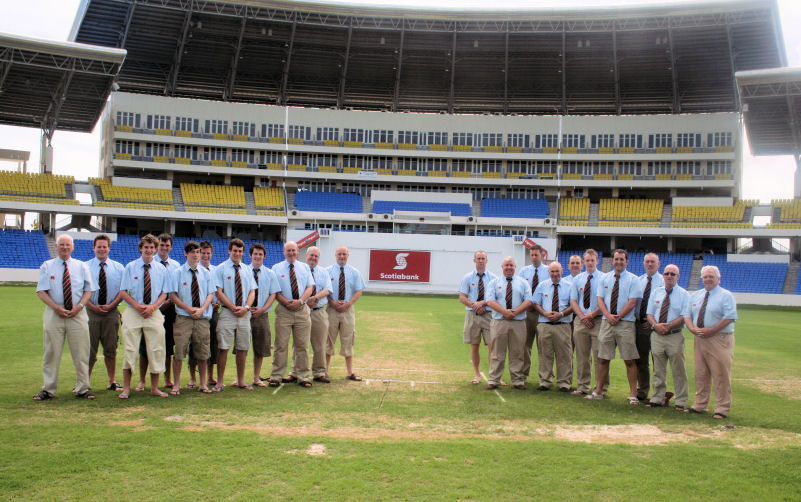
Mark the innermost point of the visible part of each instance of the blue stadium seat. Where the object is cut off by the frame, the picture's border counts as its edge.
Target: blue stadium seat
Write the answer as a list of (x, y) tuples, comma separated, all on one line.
[(388, 206), (748, 277), (306, 200), (515, 208), (23, 249), (564, 259), (797, 290)]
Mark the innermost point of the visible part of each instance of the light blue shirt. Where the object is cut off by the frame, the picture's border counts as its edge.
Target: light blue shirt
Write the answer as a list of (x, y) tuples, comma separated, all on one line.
[(577, 291), (51, 275), (211, 268), (679, 298), (543, 296), (353, 282), (657, 280), (226, 280), (720, 305), (182, 285), (527, 273), (521, 291), (114, 271), (302, 275), (171, 265), (469, 285), (322, 281), (628, 288), (133, 281), (268, 285)]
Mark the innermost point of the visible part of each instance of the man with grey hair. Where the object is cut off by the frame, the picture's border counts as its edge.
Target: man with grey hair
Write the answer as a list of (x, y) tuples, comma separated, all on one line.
[(587, 323), (574, 266), (472, 294), (509, 297), (710, 316), (552, 301), (665, 309), (341, 316), (649, 281), (65, 285)]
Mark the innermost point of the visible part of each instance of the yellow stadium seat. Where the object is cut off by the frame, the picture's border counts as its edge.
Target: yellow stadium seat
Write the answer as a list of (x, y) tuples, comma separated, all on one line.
[(164, 132), (295, 167), (383, 171), (351, 170), (664, 149), (123, 156), (239, 137), (625, 149), (330, 169), (494, 149), (461, 148), (183, 134), (407, 172), (684, 149), (460, 174), (276, 139), (351, 144), (330, 142), (123, 128), (606, 150), (219, 163), (238, 163), (438, 173), (407, 146), (490, 175), (163, 159), (219, 135), (438, 148), (514, 149), (299, 141), (385, 146), (550, 149), (569, 149)]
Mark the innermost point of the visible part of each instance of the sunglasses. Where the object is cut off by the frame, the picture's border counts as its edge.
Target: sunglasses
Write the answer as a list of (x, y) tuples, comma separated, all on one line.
[(669, 273)]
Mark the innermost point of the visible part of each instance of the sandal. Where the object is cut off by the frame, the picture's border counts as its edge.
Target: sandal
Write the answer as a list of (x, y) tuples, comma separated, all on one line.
[(679, 407), (476, 381), (43, 395), (305, 384), (190, 386), (206, 390), (140, 388), (289, 379), (114, 386), (594, 396), (218, 388), (160, 394), (259, 384), (719, 416), (274, 383), (245, 387), (85, 395), (175, 392), (354, 377), (633, 401), (693, 411), (124, 395)]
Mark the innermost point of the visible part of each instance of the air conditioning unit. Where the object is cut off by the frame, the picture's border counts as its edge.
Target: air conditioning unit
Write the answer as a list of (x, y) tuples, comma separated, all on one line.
[(370, 216), (547, 221), (294, 212), (386, 216), (471, 219)]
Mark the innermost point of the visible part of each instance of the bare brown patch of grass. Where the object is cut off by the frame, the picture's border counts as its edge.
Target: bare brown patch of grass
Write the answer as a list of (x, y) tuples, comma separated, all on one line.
[(791, 389)]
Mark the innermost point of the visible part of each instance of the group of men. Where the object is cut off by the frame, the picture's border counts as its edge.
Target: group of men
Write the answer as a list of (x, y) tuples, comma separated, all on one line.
[(195, 311), (593, 315)]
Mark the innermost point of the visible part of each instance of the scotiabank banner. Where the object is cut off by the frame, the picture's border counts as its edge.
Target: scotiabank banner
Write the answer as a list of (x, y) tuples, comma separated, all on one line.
[(399, 266)]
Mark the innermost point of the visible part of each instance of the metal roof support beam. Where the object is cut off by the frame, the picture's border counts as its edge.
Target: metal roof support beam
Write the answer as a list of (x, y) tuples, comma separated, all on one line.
[(50, 119), (169, 90), (733, 65), (343, 75), (506, 71), (127, 25), (228, 92), (563, 107), (287, 61), (676, 107), (618, 105), (795, 127), (4, 74), (396, 95), (452, 71)]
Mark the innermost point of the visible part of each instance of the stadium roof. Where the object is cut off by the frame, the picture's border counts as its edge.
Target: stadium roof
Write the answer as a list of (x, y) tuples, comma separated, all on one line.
[(772, 110), (670, 58), (54, 85)]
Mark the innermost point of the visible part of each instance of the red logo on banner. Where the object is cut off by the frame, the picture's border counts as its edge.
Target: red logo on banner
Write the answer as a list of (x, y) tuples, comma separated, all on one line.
[(399, 266), (312, 237)]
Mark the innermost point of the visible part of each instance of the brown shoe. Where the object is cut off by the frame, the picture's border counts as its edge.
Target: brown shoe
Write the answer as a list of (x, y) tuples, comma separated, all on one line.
[(519, 386), (492, 386), (322, 379), (290, 379), (668, 395)]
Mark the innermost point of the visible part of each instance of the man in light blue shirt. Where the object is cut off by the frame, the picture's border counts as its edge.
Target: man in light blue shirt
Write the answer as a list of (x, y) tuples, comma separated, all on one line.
[(509, 297), (587, 322), (104, 317), (235, 292), (665, 316), (317, 303), (532, 274), (649, 281), (347, 285), (292, 317), (473, 295), (65, 285), (144, 287), (260, 311), (193, 290), (552, 302), (710, 317), (617, 299)]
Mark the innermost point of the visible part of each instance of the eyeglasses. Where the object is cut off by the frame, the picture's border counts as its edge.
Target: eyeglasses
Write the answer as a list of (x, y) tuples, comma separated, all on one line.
[(669, 273)]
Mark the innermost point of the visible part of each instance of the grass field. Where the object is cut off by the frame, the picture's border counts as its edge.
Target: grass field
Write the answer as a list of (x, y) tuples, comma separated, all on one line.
[(417, 429)]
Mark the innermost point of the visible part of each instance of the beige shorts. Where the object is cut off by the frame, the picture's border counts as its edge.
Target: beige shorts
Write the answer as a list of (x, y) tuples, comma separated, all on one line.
[(233, 331), (344, 324), (622, 336), (476, 327), (196, 331)]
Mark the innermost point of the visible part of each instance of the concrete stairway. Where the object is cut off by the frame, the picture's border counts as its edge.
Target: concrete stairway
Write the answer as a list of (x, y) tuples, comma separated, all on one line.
[(593, 221), (792, 277), (51, 245), (178, 199), (695, 275), (606, 264), (667, 216), (250, 203)]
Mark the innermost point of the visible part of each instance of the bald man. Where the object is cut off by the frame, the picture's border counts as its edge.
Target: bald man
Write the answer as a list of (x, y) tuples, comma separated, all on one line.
[(65, 285), (649, 281), (347, 285), (552, 302)]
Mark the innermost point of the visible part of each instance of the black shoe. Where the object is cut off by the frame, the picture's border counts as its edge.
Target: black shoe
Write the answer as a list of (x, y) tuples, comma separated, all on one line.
[(564, 389), (542, 387), (519, 386)]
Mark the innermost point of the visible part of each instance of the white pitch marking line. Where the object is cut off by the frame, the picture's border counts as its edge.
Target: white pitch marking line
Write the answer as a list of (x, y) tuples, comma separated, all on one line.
[(413, 371), (281, 386), (411, 382), (763, 380), (494, 390)]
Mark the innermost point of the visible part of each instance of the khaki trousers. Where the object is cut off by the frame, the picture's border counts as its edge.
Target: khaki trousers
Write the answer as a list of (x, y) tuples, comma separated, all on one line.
[(643, 342), (585, 341), (319, 336), (507, 336), (713, 358), (666, 348), (55, 330), (297, 324), (344, 324), (134, 326), (554, 342), (532, 319)]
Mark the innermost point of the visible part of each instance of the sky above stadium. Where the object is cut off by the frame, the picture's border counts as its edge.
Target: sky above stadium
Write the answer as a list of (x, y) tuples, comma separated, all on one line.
[(77, 154)]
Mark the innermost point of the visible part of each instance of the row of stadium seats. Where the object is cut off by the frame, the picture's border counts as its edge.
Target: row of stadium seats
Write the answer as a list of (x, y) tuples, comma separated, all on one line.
[(630, 210), (22, 248), (515, 208), (33, 187), (389, 206), (214, 198), (306, 200), (748, 277), (789, 210), (132, 197), (269, 201), (713, 216)]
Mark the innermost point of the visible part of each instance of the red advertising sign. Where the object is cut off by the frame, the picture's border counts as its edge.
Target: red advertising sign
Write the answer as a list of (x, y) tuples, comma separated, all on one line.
[(399, 266), (312, 237)]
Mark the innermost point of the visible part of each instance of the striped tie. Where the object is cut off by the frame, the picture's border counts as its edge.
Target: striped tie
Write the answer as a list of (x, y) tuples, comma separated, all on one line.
[(238, 285), (646, 295), (146, 281), (342, 284), (314, 283), (702, 312), (509, 293), (480, 297), (195, 289), (615, 292), (256, 278), (535, 280), (66, 284), (587, 290), (102, 294), (293, 282), (663, 312), (555, 300)]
